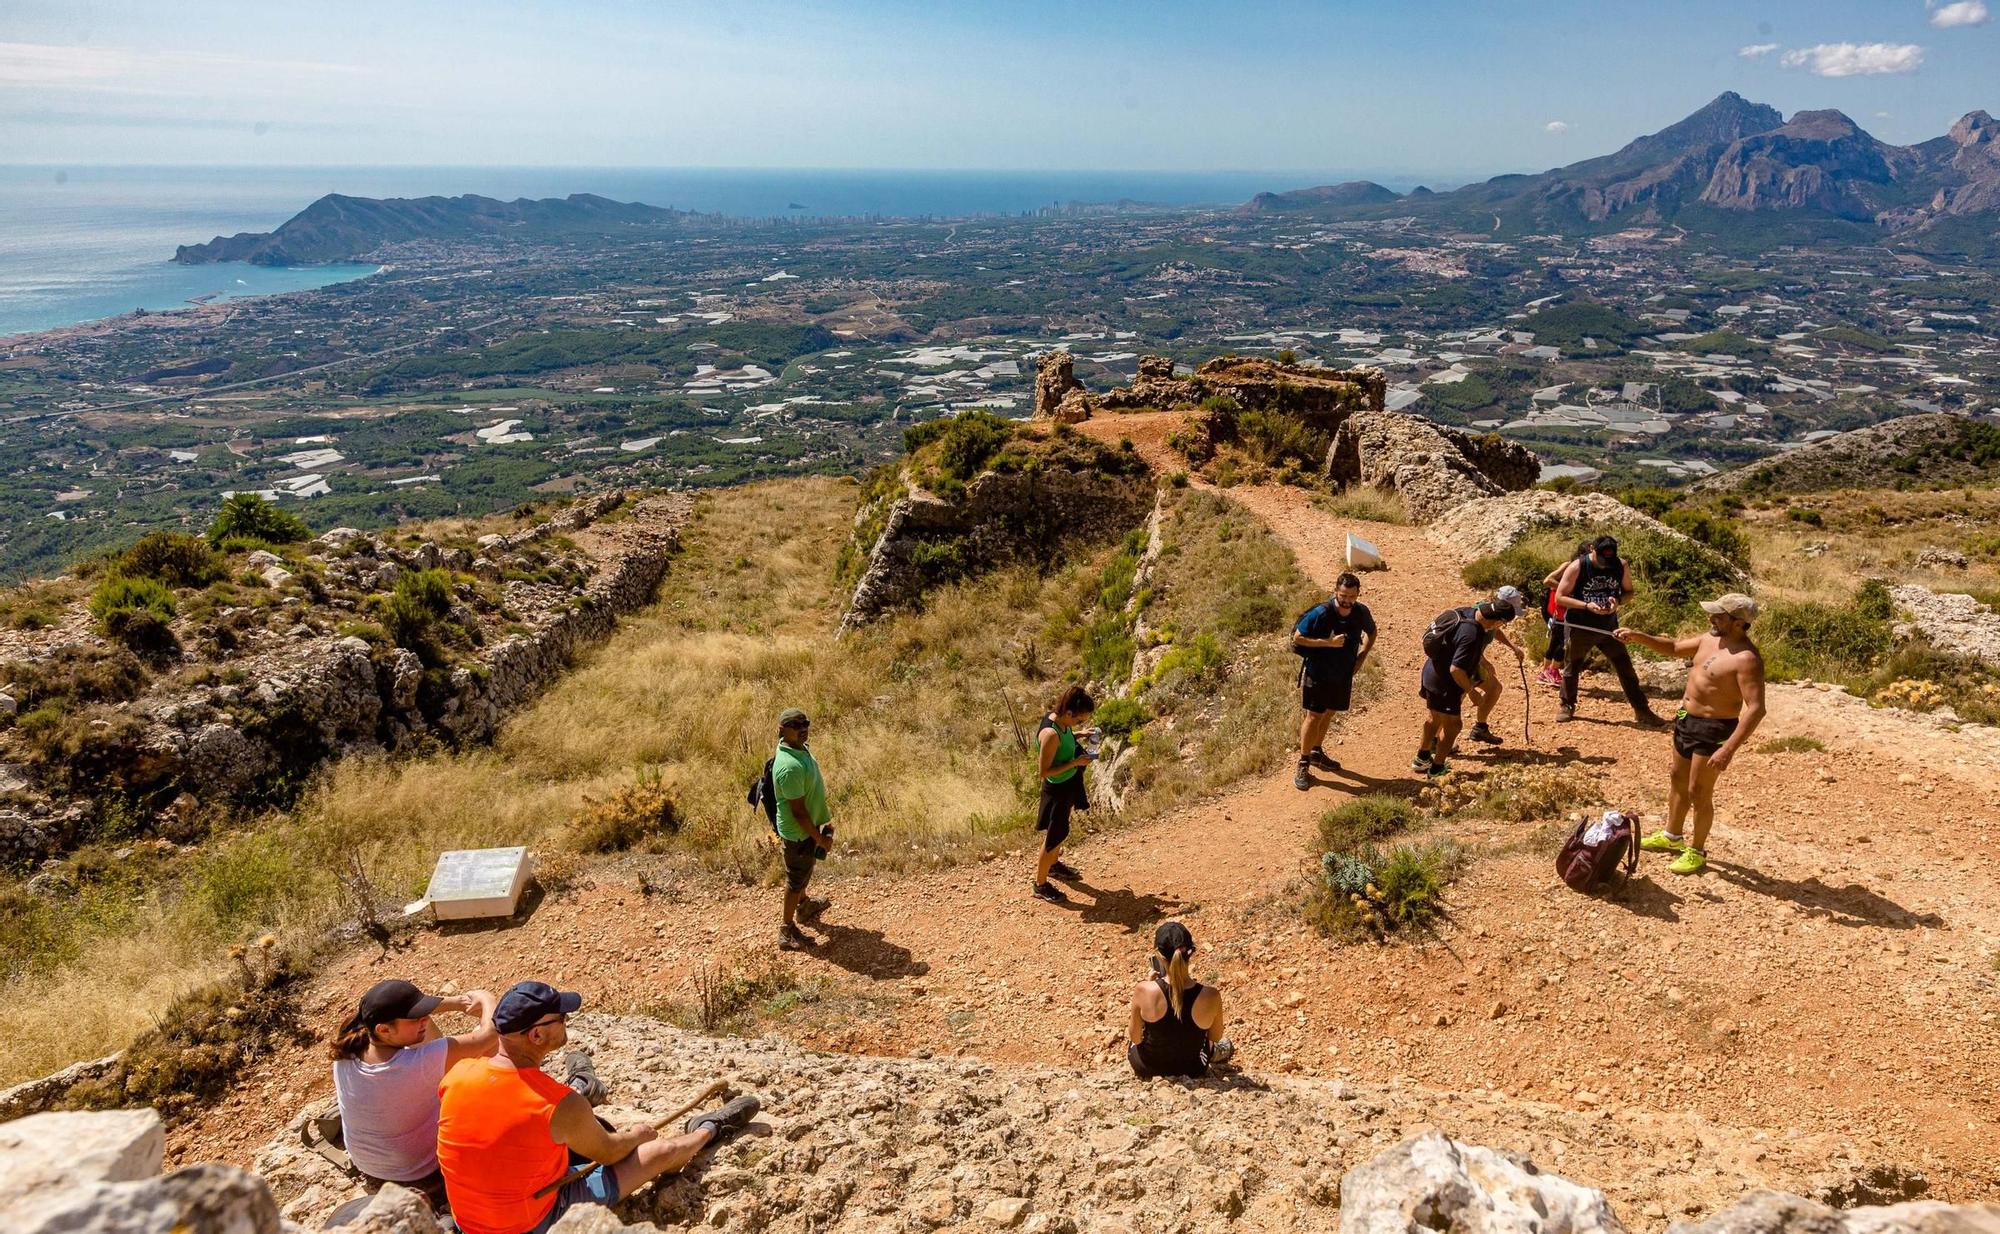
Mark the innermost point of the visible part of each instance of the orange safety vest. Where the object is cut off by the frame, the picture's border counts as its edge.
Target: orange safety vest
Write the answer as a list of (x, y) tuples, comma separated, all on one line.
[(495, 1147)]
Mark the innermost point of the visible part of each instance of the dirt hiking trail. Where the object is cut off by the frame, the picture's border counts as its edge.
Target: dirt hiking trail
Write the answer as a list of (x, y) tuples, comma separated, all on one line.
[(1831, 976)]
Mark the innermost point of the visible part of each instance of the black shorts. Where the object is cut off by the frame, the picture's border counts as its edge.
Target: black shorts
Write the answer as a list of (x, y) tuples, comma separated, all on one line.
[(1444, 702), (1328, 694), (1053, 811), (1701, 736), (800, 858)]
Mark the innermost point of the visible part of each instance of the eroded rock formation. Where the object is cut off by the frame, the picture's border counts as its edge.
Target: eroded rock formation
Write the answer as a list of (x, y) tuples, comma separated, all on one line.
[(1949, 622), (1433, 467), (1322, 397), (1059, 396), (1490, 525)]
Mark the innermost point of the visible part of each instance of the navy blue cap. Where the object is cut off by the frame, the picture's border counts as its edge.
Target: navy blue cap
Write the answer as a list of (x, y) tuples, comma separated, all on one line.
[(519, 1008)]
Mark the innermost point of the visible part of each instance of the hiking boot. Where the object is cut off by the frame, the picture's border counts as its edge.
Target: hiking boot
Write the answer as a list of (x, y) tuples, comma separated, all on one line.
[(1661, 842), (1690, 861), (1649, 719), (811, 907), (581, 1076), (791, 938), (1422, 762), (1435, 769), (1221, 1052), (724, 1119), (1302, 778), (1482, 733), (1565, 714), (1050, 892), (1324, 761), (1063, 869)]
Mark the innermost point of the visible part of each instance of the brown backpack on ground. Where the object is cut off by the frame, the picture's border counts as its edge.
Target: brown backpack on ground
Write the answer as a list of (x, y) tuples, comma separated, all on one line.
[(1595, 851)]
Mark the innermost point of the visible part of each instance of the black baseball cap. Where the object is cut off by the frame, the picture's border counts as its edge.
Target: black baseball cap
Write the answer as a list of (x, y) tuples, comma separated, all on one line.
[(520, 1007), (394, 1000)]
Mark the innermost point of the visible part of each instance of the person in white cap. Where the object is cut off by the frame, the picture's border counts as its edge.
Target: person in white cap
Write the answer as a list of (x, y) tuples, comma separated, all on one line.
[(1723, 705)]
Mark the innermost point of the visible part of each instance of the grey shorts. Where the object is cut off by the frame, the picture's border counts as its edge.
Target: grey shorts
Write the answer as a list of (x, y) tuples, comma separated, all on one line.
[(799, 862)]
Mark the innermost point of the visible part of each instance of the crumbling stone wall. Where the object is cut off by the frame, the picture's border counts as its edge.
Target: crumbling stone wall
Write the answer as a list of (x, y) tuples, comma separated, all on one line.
[(1322, 397), (1000, 518)]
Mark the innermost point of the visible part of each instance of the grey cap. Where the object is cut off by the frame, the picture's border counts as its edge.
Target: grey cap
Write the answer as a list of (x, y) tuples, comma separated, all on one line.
[(790, 716)]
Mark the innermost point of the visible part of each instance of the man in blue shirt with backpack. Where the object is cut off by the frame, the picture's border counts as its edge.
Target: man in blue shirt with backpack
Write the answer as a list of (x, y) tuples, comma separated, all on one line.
[(1332, 639)]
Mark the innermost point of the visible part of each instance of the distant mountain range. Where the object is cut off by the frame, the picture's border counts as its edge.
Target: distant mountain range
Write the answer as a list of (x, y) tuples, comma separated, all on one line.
[(1731, 159), (337, 228)]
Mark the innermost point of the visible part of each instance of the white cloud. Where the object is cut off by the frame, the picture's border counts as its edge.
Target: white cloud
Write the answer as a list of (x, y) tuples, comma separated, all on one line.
[(49, 64), (1556, 126), (1756, 51), (1962, 13), (1855, 59)]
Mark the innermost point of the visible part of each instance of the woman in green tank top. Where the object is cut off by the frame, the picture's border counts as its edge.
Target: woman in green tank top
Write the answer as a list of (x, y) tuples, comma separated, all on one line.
[(1061, 760)]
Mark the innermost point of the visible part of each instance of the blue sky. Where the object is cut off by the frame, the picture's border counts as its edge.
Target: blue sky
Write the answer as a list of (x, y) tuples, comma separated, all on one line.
[(1429, 88)]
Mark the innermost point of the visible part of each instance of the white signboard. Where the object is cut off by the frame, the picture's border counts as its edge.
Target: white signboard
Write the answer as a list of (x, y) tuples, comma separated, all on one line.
[(478, 882)]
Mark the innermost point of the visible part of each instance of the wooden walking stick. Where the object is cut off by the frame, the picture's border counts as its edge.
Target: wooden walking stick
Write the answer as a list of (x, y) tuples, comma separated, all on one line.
[(1527, 700), (659, 1124)]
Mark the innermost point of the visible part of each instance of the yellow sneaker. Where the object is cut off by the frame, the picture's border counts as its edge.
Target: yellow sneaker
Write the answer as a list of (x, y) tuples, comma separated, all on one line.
[(1661, 842), (1689, 862)]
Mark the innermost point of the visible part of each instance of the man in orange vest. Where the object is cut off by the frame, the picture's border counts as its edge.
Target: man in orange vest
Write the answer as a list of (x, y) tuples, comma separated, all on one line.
[(506, 1131)]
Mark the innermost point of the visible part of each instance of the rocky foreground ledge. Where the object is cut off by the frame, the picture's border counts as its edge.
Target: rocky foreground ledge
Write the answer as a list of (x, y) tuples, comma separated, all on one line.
[(852, 1143)]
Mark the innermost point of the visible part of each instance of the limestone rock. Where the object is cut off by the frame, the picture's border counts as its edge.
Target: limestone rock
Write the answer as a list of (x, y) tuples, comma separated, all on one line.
[(1955, 623), (1488, 526), (1935, 558), (34, 1096), (1771, 1212), (339, 538), (110, 1146), (394, 1210), (1434, 468), (1156, 368), (9, 705), (1435, 1183), (596, 1219), (211, 1199)]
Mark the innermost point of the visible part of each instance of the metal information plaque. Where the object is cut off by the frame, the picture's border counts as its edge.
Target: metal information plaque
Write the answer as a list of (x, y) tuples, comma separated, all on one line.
[(478, 882)]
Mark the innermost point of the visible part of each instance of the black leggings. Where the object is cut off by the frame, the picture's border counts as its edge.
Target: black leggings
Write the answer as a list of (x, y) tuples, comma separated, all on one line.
[(1582, 642), (1053, 811), (1557, 639)]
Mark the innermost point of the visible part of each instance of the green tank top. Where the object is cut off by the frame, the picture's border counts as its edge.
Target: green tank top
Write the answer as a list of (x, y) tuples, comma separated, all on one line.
[(1065, 751)]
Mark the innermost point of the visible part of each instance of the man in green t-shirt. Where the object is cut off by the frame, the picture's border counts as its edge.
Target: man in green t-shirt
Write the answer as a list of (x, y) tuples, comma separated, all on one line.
[(805, 825)]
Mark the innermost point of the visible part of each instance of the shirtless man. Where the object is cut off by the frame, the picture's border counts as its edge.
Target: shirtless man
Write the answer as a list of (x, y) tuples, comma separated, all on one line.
[(1723, 705)]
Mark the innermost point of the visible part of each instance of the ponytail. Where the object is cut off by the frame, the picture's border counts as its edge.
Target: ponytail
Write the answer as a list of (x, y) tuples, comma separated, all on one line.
[(352, 1039), (1075, 701), (1178, 980)]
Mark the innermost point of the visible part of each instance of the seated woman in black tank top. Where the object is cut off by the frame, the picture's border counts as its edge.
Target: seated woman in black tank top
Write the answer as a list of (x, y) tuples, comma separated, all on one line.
[(1177, 1022)]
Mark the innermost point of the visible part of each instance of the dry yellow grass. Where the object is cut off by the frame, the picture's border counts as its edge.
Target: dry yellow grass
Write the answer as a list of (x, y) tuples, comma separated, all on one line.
[(915, 721), (1874, 533)]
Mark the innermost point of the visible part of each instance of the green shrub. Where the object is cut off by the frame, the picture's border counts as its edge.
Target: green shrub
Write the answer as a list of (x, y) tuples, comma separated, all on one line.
[(1376, 893), (1412, 879), (1362, 821), (1826, 641), (174, 558), (1273, 438), (939, 561), (135, 611), (1121, 717), (1195, 662), (1806, 515), (248, 515), (417, 614), (632, 815), (957, 448), (1245, 615), (1719, 532)]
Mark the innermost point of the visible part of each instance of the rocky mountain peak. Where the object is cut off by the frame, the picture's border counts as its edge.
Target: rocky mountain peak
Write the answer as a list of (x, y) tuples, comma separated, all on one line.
[(1975, 128), (1826, 125)]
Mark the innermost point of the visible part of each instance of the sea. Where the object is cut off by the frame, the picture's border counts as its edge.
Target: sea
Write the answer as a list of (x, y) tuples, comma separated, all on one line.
[(82, 243)]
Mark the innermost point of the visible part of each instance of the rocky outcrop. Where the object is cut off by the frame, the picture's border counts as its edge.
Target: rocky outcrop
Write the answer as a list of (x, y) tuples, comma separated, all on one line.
[(1433, 467), (1488, 526), (1434, 1183), (1819, 160), (1059, 396), (297, 698), (1952, 623), (100, 1174), (1939, 447), (1773, 1212), (999, 518)]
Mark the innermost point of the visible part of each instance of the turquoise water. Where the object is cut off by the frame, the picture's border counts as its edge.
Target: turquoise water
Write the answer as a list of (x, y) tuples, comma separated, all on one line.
[(81, 243)]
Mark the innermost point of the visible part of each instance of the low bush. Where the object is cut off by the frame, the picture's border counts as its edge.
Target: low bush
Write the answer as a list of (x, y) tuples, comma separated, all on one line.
[(1363, 821), (174, 558), (1792, 745), (417, 614), (1515, 793), (248, 516), (1121, 717), (1670, 576), (1830, 642), (1377, 893), (79, 673), (635, 814), (1245, 615), (135, 611), (1273, 438)]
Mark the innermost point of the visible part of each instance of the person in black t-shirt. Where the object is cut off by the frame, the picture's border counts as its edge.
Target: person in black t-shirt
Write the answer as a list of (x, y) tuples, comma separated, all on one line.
[(1333, 639), (1458, 669)]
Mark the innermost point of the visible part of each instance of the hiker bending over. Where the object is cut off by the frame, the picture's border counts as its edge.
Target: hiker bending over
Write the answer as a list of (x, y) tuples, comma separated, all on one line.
[(1176, 1026), (805, 825), (1723, 705), (388, 1060), (1455, 666), (1552, 659), (1590, 592), (1060, 760), (1332, 640), (507, 1132)]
